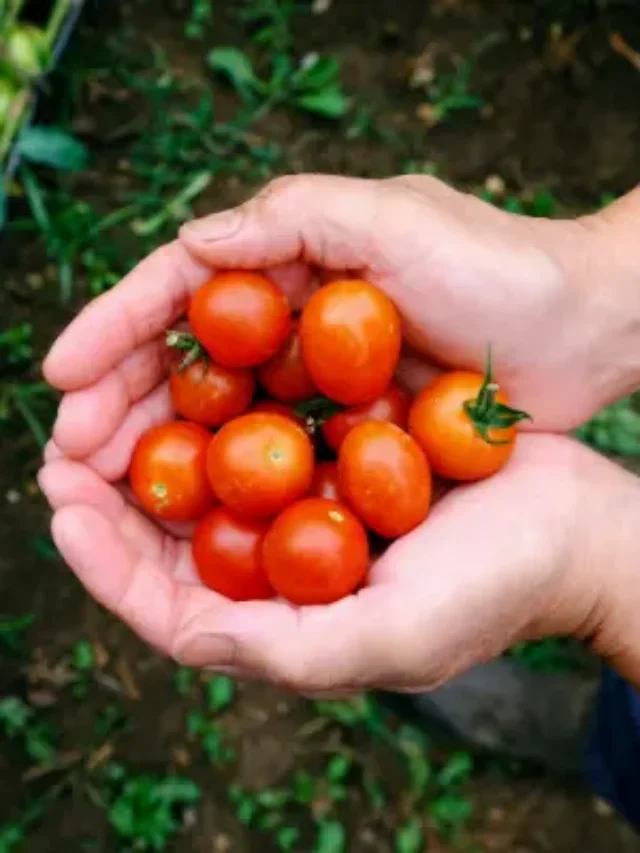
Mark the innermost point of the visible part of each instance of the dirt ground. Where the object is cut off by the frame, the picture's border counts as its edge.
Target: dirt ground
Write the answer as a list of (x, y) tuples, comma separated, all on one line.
[(561, 113)]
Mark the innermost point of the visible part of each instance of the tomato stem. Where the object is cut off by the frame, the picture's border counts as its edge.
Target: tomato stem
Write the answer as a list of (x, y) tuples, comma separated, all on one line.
[(486, 413), (187, 343)]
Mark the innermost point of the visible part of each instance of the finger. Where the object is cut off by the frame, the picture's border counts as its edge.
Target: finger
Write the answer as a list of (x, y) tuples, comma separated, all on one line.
[(65, 483), (356, 643), (135, 588), (322, 219), (414, 373), (111, 461), (139, 309), (89, 417)]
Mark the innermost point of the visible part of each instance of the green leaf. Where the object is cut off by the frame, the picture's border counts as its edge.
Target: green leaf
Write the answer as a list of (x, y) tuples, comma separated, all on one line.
[(220, 693), (457, 770), (50, 146), (338, 768), (410, 838), (321, 73), (451, 810), (329, 103), (177, 789), (236, 66), (332, 838), (287, 838), (83, 656)]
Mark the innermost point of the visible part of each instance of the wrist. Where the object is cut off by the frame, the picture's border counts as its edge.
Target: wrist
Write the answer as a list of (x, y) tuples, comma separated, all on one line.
[(607, 271), (608, 564)]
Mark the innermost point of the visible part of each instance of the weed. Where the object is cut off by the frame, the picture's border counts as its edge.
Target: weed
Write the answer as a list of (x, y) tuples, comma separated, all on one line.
[(200, 16), (15, 344), (615, 430), (19, 721), (147, 811), (12, 629), (220, 692), (209, 733), (410, 837)]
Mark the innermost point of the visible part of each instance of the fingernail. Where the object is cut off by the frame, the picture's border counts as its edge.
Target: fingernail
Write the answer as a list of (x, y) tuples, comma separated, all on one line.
[(210, 650), (217, 226)]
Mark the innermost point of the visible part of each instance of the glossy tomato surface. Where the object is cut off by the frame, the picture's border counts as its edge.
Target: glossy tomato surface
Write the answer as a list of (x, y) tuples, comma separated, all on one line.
[(260, 463), (325, 481), (385, 478), (273, 407), (316, 552), (168, 471), (351, 336), (446, 433), (285, 376), (211, 395), (227, 551), (241, 318), (392, 406)]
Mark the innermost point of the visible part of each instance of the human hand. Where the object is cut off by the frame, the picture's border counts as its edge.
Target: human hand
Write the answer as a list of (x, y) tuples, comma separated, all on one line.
[(441, 257)]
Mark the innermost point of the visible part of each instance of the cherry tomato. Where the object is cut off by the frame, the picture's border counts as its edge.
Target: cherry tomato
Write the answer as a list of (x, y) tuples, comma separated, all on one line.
[(240, 318), (385, 478), (351, 336), (260, 463), (208, 394), (227, 551), (168, 471), (451, 433), (325, 481), (316, 552), (285, 376), (393, 406), (274, 408)]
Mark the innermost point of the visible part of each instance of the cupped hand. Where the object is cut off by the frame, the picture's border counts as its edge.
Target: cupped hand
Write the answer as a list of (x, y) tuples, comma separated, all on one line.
[(495, 562)]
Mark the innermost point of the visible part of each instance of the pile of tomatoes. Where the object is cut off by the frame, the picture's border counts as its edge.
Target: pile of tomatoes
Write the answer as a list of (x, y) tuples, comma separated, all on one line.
[(295, 446)]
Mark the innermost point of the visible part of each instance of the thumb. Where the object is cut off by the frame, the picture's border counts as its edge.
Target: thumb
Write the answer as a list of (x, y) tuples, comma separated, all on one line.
[(321, 219)]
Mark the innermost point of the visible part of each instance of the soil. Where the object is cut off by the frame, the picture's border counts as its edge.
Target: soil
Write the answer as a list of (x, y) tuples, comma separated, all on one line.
[(562, 114)]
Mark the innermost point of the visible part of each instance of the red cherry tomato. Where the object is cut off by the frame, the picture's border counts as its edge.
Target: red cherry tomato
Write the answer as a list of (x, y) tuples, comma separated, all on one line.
[(385, 478), (316, 552), (168, 471), (210, 395), (272, 407), (393, 407), (351, 336), (285, 376), (446, 431), (325, 482), (240, 318), (227, 551), (258, 464)]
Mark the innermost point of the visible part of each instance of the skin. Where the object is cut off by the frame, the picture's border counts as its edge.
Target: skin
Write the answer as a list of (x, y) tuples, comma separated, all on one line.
[(316, 552), (241, 318), (454, 447), (227, 552), (351, 338), (167, 472), (210, 395), (392, 406), (385, 478), (548, 546), (260, 463)]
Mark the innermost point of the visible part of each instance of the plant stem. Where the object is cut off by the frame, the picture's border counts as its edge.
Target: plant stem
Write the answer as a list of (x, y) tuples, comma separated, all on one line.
[(56, 20)]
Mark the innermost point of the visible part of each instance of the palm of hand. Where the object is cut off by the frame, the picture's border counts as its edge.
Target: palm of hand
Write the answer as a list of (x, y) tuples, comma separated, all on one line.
[(456, 590)]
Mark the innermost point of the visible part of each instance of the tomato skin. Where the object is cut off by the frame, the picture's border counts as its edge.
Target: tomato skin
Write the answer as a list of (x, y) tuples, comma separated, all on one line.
[(260, 463), (273, 407), (240, 318), (210, 395), (393, 406), (316, 552), (167, 472), (351, 337), (443, 429), (285, 376), (325, 482), (227, 551), (385, 478)]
